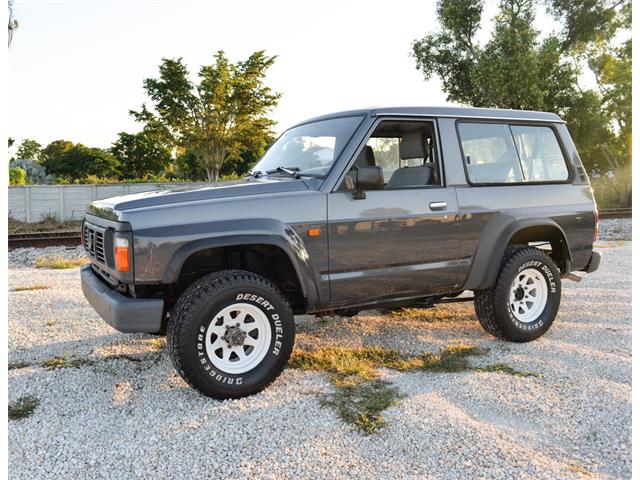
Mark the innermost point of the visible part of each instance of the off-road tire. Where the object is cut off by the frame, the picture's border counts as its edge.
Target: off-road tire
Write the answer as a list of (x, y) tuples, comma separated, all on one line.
[(492, 305), (196, 309)]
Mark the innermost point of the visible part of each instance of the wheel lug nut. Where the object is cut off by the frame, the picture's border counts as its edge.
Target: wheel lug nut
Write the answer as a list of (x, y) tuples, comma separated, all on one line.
[(237, 324)]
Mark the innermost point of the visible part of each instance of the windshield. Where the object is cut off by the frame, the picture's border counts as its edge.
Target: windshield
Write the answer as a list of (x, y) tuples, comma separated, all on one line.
[(309, 149)]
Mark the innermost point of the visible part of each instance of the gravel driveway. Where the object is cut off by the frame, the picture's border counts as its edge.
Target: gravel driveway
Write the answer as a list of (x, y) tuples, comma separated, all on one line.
[(121, 412)]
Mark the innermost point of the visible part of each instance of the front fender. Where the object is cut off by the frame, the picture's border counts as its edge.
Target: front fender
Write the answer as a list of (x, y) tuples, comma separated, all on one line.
[(494, 241), (161, 252)]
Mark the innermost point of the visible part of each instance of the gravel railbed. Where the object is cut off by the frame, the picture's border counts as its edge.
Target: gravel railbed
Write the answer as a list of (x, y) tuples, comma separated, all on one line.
[(125, 419)]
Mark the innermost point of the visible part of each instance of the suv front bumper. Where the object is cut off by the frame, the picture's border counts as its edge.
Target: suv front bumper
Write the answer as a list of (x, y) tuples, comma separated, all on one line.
[(129, 315)]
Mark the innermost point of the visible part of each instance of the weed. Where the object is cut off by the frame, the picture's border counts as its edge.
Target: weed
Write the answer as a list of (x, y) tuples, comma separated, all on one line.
[(362, 404), (158, 343), (31, 287), (501, 367), (23, 407), (54, 363), (577, 468), (56, 262), (450, 359)]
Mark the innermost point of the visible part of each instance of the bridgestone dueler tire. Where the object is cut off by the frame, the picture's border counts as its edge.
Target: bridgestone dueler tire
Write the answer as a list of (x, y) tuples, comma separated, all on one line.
[(196, 309), (492, 305)]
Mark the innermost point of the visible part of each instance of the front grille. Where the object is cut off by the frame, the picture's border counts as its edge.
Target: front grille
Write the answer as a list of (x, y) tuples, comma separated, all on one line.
[(94, 243)]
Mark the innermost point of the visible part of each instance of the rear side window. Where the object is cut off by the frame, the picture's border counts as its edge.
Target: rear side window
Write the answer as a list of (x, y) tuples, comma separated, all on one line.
[(490, 153), (500, 153), (540, 154)]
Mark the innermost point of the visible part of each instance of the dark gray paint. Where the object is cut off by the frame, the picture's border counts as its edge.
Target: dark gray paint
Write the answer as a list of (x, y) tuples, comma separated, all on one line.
[(388, 246)]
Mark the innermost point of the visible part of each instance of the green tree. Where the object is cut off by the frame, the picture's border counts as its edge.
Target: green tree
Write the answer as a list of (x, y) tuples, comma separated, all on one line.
[(29, 150), (54, 150), (517, 68), (140, 154), (80, 161), (217, 117)]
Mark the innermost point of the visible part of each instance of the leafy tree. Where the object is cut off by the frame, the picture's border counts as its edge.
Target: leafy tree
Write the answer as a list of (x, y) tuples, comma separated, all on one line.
[(216, 118), (140, 154), (518, 69), (54, 150), (29, 150), (17, 176), (79, 162), (187, 167)]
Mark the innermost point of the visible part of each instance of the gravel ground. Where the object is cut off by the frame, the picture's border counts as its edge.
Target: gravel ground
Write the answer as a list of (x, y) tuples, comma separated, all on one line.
[(127, 419)]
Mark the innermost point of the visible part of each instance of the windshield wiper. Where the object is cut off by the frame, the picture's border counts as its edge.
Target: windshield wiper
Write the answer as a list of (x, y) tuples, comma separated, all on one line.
[(289, 171)]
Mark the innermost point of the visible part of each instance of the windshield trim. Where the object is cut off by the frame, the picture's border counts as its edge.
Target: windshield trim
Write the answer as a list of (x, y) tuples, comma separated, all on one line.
[(337, 155)]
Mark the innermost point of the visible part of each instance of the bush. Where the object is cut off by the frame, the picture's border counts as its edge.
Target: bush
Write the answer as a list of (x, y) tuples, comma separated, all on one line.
[(613, 189), (17, 176)]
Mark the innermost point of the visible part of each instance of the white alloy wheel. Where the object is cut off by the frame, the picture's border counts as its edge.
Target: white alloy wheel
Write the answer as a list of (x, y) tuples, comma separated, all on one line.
[(528, 295), (238, 338)]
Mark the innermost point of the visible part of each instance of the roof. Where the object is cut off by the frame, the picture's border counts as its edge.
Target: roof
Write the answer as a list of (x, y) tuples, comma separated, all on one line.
[(457, 112)]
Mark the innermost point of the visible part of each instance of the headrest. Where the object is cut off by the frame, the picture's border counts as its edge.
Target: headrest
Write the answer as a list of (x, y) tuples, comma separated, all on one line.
[(365, 158), (413, 145)]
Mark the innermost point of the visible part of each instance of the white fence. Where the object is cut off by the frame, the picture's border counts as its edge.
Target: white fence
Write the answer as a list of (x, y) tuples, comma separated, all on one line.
[(33, 203)]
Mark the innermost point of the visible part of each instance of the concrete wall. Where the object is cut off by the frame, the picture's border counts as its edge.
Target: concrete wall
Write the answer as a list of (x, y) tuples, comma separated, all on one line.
[(68, 202)]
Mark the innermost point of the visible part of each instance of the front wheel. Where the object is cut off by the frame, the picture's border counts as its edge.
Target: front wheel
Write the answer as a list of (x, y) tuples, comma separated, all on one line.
[(524, 302), (231, 335)]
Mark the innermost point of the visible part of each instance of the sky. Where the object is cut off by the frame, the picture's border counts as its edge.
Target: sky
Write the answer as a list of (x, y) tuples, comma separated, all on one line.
[(76, 67)]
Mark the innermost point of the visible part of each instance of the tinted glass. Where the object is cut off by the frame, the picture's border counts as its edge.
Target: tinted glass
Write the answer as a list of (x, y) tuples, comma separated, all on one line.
[(309, 149), (490, 153), (540, 154)]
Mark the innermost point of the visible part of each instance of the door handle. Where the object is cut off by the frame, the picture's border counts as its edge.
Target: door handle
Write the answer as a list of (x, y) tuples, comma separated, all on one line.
[(438, 205)]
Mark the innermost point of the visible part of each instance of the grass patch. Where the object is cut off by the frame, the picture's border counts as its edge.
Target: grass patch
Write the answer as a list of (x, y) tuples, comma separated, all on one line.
[(575, 467), (427, 314), (55, 363), (23, 407), (46, 225), (361, 404), (346, 365), (17, 365), (158, 343), (450, 359), (56, 262), (502, 368), (31, 287)]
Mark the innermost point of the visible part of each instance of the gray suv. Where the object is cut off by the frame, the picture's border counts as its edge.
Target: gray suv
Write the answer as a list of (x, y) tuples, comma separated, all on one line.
[(377, 208)]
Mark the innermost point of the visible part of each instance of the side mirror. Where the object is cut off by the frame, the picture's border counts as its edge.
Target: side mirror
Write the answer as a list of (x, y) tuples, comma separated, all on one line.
[(367, 178)]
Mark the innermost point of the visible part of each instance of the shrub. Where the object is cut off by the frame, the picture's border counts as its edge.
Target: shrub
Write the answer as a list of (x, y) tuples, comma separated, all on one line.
[(17, 176)]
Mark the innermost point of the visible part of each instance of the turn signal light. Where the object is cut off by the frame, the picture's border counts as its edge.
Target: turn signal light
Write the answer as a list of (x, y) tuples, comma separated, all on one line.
[(121, 250)]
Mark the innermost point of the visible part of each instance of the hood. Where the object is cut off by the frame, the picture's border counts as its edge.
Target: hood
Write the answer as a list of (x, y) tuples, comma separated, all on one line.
[(109, 207)]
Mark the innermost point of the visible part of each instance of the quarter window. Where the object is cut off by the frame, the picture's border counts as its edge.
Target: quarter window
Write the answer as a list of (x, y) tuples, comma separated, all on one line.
[(500, 153), (540, 154)]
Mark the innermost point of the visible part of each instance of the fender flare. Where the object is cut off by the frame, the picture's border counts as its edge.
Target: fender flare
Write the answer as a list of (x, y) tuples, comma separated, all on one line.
[(493, 244), (264, 232)]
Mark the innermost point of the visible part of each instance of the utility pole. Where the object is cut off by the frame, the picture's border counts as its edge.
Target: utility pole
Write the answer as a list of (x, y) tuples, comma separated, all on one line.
[(13, 23)]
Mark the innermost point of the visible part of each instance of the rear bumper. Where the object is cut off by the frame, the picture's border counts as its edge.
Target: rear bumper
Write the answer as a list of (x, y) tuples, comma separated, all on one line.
[(594, 262), (129, 315)]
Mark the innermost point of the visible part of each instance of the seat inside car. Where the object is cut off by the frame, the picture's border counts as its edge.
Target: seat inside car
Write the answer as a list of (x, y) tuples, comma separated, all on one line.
[(413, 145)]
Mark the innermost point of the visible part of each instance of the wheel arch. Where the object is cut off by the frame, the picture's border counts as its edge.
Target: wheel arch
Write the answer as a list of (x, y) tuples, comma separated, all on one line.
[(502, 232), (285, 247)]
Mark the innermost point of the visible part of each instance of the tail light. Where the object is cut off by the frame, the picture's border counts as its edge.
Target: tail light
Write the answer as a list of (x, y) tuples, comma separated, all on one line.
[(121, 254)]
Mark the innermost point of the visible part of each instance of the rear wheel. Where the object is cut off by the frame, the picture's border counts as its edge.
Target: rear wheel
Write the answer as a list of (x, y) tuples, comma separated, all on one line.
[(524, 302), (231, 335)]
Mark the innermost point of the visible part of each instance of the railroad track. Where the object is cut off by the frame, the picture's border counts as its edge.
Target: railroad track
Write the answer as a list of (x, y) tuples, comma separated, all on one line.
[(615, 213), (72, 239), (44, 239)]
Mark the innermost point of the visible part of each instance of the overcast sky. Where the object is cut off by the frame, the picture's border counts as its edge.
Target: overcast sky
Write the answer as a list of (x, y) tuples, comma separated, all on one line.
[(76, 67)]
